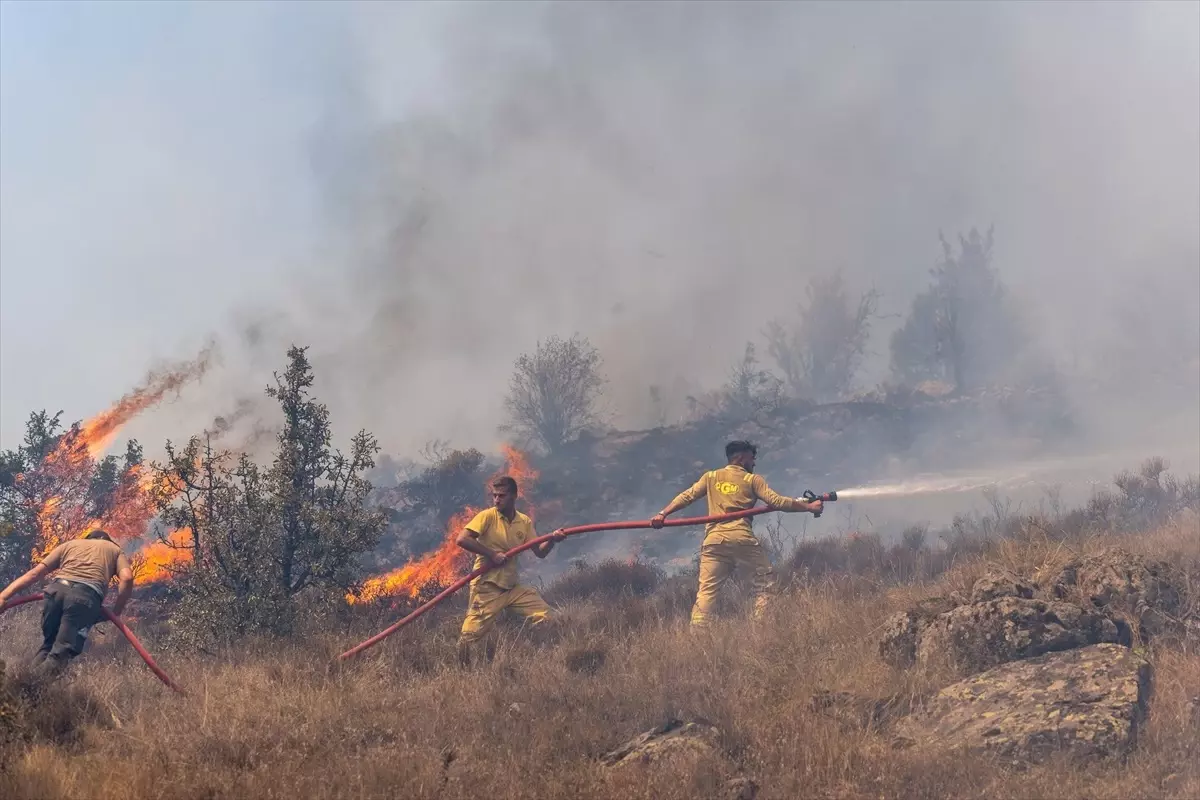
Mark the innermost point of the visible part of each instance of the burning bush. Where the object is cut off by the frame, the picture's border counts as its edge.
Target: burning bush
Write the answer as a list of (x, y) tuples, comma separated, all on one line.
[(446, 562), (51, 489), (421, 506)]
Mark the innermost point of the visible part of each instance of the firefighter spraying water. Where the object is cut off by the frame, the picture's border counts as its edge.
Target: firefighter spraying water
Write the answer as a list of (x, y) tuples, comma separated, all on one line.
[(735, 490), (728, 544)]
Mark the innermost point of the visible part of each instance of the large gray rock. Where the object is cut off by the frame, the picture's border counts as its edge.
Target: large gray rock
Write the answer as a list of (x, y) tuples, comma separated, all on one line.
[(972, 638), (1087, 703), (902, 631), (1146, 594), (999, 582)]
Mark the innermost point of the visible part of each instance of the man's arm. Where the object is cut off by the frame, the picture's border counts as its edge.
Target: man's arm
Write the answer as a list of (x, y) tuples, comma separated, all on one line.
[(542, 550), (469, 540), (32, 576), (776, 500), (682, 500), (125, 588)]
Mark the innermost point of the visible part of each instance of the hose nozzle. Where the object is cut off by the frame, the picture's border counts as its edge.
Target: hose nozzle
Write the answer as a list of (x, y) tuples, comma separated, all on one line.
[(827, 497)]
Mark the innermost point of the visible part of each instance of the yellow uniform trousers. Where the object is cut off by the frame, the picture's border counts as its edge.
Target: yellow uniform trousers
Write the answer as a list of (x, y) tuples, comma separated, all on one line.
[(487, 602), (720, 555)]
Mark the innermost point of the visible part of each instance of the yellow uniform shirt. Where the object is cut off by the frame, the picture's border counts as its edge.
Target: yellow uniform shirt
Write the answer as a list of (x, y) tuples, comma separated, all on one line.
[(498, 533), (732, 488)]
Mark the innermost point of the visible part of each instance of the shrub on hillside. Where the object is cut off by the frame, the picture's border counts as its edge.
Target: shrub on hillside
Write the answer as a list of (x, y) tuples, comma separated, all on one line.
[(261, 542), (608, 579)]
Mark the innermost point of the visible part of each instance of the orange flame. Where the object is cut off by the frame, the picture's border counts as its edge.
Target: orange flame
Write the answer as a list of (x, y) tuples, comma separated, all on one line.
[(449, 561), (69, 467), (159, 560), (100, 431)]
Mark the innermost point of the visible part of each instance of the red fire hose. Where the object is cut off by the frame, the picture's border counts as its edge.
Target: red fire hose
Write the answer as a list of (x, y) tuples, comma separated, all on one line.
[(121, 626), (602, 526)]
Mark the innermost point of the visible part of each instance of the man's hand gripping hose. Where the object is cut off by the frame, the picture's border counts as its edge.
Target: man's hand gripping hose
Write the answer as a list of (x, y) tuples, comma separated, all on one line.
[(121, 626), (556, 536)]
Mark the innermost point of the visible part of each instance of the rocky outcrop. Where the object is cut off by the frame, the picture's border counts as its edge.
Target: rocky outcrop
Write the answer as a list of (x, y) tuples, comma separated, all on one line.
[(1043, 665), (1130, 588), (999, 582), (1100, 598), (902, 632), (979, 636), (1086, 702)]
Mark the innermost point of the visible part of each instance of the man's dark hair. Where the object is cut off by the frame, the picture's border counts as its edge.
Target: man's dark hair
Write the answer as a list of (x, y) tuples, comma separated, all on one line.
[(505, 482), (98, 534), (737, 448)]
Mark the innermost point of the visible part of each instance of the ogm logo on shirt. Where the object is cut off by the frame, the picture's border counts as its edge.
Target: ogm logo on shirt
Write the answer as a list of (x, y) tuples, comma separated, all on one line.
[(725, 487)]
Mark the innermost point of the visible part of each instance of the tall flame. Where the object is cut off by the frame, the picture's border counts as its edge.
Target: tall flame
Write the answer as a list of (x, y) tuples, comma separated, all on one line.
[(449, 561), (100, 431), (157, 561), (70, 465)]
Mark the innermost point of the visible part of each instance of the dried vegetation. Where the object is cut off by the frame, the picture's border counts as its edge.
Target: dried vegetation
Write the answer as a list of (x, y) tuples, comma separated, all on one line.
[(404, 721)]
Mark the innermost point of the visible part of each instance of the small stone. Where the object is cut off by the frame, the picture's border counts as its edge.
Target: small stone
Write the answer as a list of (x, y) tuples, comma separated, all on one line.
[(673, 739)]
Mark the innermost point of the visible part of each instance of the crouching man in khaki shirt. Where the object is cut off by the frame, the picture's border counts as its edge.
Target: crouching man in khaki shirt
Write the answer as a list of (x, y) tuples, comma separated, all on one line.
[(74, 598)]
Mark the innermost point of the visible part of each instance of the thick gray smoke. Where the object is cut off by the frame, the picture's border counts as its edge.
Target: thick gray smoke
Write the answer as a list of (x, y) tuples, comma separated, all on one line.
[(665, 177)]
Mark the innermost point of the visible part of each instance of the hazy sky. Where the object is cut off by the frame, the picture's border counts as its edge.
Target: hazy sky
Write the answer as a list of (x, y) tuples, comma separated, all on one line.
[(421, 192), (156, 176)]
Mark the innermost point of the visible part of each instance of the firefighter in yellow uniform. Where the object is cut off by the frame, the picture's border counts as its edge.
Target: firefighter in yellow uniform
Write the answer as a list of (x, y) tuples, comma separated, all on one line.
[(734, 487), (489, 536)]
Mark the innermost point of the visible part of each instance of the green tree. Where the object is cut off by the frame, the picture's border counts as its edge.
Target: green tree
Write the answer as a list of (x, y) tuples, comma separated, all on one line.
[(262, 538), (553, 392)]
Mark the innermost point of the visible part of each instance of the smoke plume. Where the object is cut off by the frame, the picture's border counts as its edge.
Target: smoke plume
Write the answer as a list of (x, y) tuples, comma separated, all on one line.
[(423, 192)]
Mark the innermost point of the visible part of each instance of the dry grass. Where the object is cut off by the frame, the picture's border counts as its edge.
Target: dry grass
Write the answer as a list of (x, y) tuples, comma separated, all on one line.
[(405, 721)]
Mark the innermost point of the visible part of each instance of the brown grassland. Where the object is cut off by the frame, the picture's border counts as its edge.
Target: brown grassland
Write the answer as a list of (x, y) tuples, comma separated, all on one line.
[(404, 721)]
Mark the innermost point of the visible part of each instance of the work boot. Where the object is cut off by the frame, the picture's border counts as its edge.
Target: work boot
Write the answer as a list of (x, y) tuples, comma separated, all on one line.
[(468, 653), (47, 669), (464, 655)]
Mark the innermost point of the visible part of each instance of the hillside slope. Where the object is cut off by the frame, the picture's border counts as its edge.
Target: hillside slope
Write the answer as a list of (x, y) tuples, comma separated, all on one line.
[(802, 706)]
